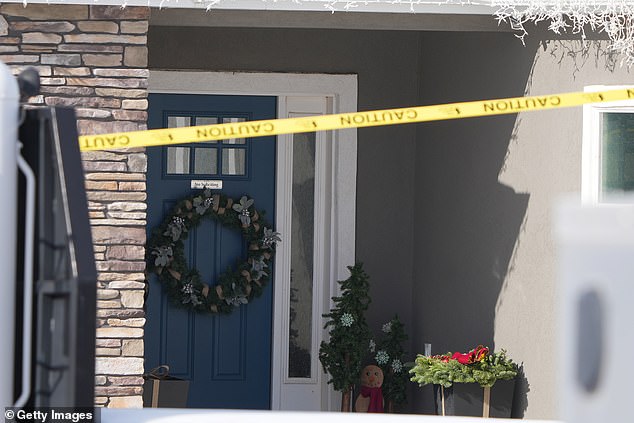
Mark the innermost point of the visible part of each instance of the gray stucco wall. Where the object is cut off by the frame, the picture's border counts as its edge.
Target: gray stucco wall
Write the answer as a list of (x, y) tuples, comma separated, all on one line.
[(544, 160), (387, 67), (453, 219), (484, 256)]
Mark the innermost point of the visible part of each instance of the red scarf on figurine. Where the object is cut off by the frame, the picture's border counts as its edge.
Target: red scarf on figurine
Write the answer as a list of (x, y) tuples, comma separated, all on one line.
[(376, 398)]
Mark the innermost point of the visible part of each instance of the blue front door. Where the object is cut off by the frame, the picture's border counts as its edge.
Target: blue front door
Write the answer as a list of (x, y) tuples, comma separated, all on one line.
[(227, 358)]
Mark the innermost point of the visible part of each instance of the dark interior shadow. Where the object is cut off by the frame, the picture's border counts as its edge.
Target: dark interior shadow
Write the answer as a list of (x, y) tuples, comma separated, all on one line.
[(520, 401), (468, 223)]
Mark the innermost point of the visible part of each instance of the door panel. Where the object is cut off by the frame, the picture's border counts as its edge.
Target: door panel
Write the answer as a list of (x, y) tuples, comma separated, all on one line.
[(227, 358)]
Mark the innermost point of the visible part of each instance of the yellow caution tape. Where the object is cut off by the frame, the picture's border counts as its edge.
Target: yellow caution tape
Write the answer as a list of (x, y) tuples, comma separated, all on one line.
[(259, 128)]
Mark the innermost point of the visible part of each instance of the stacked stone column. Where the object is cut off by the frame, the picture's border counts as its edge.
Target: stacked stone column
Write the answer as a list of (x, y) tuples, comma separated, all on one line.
[(94, 58)]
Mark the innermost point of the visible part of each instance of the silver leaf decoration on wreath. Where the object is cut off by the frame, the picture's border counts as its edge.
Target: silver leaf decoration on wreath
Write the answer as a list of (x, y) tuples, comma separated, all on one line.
[(257, 268), (163, 255), (175, 228), (270, 238), (238, 297), (202, 204), (190, 295), (243, 209)]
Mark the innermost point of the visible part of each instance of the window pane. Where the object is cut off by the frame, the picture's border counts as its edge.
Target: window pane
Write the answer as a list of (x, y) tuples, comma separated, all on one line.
[(205, 161), (178, 160), (178, 121), (202, 120), (233, 161), (302, 229), (178, 157), (233, 140), (617, 153)]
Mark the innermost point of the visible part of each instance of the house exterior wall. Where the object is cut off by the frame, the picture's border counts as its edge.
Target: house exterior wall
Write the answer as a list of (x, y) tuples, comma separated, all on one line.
[(544, 160), (387, 68), (485, 190), (453, 220), (95, 59)]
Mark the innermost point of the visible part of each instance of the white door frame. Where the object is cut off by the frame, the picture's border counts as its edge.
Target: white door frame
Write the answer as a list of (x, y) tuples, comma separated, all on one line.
[(341, 91)]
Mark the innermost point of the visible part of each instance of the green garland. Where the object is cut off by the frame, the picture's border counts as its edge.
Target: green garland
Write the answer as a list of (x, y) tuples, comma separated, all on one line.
[(165, 253), (444, 370)]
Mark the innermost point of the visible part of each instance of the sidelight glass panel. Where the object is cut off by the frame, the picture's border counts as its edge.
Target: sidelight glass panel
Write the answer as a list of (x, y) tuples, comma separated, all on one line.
[(617, 153), (302, 233), (233, 161)]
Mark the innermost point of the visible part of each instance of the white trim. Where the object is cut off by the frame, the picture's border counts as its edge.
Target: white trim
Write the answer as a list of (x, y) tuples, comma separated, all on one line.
[(591, 144), (342, 171), (304, 393)]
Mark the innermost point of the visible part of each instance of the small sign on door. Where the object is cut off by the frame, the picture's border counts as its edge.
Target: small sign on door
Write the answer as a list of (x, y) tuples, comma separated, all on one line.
[(206, 184)]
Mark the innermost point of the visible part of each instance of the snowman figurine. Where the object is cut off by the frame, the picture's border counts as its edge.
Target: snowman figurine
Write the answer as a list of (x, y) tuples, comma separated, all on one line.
[(370, 400)]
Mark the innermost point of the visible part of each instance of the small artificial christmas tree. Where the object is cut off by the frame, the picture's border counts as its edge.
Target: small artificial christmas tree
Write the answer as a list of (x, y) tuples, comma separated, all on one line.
[(389, 357), (342, 356)]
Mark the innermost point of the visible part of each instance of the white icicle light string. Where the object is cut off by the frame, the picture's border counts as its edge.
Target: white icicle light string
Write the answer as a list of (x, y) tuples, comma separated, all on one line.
[(613, 17)]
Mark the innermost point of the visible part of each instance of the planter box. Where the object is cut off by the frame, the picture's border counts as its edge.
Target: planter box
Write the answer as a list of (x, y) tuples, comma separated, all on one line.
[(467, 399)]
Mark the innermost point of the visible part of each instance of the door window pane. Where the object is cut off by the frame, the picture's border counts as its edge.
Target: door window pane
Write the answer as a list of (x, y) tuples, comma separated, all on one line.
[(204, 120), (178, 121), (617, 153), (178, 157), (205, 161), (177, 160), (233, 161), (233, 140), (302, 232)]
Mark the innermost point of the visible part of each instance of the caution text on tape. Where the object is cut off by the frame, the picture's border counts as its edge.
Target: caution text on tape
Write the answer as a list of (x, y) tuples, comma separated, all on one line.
[(260, 128)]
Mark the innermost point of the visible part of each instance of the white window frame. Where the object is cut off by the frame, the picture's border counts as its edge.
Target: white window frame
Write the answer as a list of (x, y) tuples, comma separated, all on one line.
[(591, 146), (337, 214)]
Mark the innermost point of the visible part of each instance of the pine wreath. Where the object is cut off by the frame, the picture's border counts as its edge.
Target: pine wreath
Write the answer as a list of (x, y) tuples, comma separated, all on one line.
[(165, 253)]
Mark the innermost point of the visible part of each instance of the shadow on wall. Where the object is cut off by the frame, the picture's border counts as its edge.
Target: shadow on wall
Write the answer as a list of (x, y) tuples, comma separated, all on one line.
[(468, 222), (520, 400)]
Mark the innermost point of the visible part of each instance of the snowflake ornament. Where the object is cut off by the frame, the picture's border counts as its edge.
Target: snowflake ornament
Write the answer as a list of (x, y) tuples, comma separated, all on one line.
[(347, 320), (372, 346), (387, 327), (382, 358), (397, 366)]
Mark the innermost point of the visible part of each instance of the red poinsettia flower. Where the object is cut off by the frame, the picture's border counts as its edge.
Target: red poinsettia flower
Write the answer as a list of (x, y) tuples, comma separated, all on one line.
[(475, 355), (462, 358), (479, 353)]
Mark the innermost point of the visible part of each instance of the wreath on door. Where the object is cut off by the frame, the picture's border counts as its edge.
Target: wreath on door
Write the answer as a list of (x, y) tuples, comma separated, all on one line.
[(235, 287)]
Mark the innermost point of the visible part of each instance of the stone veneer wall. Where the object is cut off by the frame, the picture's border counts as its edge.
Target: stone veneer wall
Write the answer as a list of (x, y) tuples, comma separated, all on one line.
[(95, 59)]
